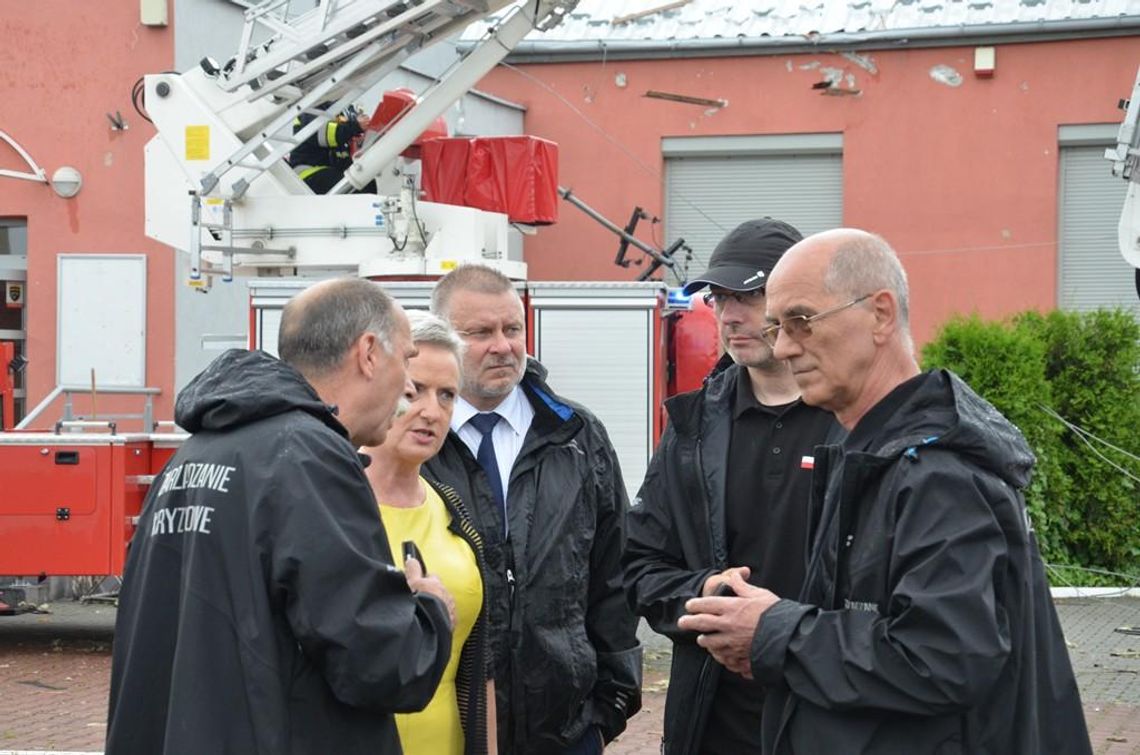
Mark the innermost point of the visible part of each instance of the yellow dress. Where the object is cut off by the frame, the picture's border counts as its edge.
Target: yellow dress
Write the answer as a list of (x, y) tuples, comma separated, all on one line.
[(436, 729)]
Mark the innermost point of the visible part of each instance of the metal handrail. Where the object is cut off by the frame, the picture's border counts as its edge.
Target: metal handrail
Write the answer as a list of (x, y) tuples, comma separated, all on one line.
[(147, 415), (31, 416)]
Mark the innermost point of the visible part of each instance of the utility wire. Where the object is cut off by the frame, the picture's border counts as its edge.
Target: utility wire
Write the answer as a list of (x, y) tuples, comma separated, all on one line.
[(962, 249), (1133, 581), (656, 175), (138, 99), (1085, 435), (608, 137), (660, 179), (1082, 431)]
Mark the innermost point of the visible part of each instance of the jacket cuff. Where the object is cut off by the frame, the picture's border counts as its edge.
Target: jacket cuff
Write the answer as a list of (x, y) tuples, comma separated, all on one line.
[(436, 606), (617, 695), (770, 643)]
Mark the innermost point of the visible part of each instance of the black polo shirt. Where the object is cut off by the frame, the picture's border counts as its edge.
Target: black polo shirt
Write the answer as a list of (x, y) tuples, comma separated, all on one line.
[(768, 488)]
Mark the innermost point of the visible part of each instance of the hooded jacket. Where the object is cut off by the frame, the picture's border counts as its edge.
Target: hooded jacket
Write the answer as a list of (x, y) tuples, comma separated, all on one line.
[(677, 540), (925, 624), (563, 640), (260, 611)]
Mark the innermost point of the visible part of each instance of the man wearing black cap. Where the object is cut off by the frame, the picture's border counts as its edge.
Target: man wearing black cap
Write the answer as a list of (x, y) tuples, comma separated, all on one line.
[(727, 491)]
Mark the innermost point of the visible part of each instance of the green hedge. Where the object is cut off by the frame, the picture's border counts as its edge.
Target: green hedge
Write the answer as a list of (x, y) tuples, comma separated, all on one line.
[(1084, 498)]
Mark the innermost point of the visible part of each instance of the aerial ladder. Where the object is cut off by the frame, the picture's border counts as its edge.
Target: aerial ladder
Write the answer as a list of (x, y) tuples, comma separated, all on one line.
[(217, 185), (1125, 157)]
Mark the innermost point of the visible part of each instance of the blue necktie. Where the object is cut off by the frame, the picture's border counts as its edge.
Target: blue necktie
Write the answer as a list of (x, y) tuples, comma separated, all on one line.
[(485, 424)]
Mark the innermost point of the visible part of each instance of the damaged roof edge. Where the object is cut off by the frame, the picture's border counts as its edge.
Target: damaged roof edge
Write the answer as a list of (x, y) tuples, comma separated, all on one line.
[(539, 51)]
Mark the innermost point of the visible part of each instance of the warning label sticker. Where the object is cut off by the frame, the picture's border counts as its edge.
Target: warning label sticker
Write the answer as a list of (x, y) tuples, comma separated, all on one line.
[(197, 142)]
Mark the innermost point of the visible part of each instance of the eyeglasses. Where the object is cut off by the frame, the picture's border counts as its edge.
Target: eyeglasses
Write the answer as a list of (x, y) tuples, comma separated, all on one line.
[(720, 298), (798, 327)]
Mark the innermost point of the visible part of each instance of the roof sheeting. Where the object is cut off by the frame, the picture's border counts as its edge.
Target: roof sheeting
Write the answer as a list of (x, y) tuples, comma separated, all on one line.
[(662, 21)]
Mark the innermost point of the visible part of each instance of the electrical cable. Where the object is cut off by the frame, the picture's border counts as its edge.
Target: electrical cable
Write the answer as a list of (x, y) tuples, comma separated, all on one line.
[(138, 98), (1133, 580), (1084, 436), (609, 137), (660, 179), (656, 175), (1077, 428), (415, 213), (990, 248)]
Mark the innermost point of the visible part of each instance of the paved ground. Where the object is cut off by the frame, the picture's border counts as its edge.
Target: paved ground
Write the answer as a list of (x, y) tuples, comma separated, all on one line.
[(54, 672)]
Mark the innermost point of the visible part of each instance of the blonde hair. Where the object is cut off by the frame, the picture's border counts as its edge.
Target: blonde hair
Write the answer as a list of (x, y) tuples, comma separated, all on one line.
[(435, 331)]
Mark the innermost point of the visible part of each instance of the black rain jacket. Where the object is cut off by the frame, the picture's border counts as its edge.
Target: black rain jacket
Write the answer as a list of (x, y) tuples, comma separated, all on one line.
[(563, 640), (260, 611), (925, 624), (677, 541)]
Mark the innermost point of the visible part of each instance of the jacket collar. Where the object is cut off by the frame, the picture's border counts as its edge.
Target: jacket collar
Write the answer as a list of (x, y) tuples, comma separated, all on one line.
[(686, 409), (942, 411), (553, 415), (534, 381)]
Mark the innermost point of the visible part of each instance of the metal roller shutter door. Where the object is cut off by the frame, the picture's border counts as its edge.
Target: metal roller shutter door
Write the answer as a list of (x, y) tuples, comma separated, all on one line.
[(603, 359), (1092, 271), (708, 196)]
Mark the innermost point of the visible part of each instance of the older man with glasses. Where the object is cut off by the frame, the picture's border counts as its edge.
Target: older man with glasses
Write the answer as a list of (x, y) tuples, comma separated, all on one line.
[(727, 492), (925, 623)]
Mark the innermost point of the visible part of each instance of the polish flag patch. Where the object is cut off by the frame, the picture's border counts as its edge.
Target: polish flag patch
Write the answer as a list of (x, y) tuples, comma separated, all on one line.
[(807, 462)]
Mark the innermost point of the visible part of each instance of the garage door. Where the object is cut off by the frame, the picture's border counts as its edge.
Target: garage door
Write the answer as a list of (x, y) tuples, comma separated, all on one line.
[(714, 184), (1092, 271)]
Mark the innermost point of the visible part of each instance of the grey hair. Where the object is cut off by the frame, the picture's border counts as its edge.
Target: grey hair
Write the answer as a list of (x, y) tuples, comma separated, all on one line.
[(434, 331), (478, 278), (866, 263), (318, 328)]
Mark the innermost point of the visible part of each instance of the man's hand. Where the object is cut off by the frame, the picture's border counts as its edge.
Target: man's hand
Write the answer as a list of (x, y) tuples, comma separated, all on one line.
[(721, 578), (419, 582), (726, 625)]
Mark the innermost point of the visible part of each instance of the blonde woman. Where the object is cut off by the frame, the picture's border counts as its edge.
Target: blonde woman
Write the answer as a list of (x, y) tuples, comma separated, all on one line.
[(460, 718)]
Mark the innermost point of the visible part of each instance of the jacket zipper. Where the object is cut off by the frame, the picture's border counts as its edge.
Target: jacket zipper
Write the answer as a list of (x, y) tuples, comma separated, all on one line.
[(512, 734), (690, 744), (785, 718), (707, 504), (823, 466)]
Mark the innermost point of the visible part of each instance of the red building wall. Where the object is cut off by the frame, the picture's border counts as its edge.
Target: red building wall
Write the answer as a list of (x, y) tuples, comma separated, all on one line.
[(961, 180), (64, 66)]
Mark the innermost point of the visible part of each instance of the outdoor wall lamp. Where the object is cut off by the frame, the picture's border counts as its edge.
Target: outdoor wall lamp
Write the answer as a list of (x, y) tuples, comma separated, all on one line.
[(66, 182)]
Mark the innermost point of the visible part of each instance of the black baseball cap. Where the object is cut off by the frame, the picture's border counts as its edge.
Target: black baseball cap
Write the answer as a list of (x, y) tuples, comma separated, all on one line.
[(744, 258)]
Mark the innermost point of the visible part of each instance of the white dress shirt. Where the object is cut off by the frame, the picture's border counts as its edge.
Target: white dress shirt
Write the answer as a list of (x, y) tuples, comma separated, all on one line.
[(508, 435)]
